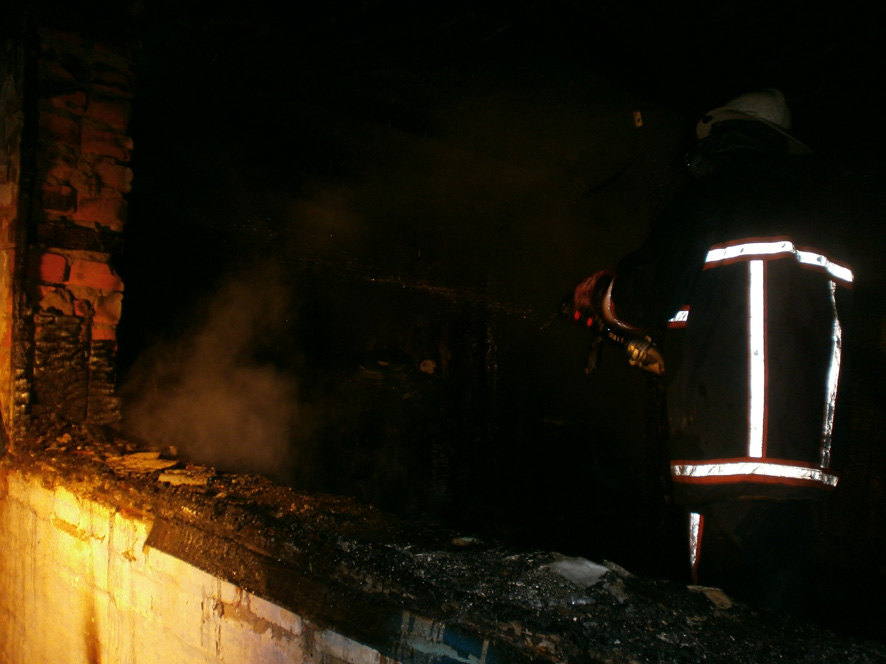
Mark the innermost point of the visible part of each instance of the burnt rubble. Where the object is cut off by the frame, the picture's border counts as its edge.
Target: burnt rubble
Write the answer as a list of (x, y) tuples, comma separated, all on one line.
[(413, 591)]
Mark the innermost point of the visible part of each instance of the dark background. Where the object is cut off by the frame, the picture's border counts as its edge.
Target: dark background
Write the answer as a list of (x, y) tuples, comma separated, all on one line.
[(351, 223)]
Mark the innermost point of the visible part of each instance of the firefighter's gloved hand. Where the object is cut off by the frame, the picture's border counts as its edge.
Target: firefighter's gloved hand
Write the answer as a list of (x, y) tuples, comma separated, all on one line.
[(582, 317)]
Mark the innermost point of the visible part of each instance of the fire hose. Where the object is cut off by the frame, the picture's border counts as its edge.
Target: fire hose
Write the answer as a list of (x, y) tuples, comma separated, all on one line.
[(640, 351)]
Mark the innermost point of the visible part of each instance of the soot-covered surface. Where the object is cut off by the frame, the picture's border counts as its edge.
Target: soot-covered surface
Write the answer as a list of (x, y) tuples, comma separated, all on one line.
[(412, 590)]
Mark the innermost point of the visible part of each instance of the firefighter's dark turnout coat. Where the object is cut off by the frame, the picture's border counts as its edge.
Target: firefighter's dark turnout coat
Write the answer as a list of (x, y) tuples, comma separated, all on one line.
[(747, 267)]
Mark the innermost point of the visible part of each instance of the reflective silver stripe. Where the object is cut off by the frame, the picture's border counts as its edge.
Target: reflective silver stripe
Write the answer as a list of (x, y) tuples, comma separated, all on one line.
[(827, 430), (694, 542), (761, 469), (680, 317), (757, 358), (759, 249), (834, 269), (750, 250)]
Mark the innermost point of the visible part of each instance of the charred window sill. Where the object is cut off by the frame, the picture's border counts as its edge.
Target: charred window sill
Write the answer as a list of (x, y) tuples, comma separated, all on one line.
[(412, 591)]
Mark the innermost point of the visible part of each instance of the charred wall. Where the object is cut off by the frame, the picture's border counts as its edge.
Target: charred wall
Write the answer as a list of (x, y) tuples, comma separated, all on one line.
[(12, 199), (65, 108)]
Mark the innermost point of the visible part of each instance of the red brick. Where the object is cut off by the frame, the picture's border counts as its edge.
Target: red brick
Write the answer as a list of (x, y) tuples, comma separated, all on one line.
[(53, 38), (117, 54), (114, 175), (70, 102), (82, 308), (59, 198), (48, 268), (7, 193), (106, 144), (54, 127), (56, 70), (103, 333), (111, 79), (112, 91), (51, 298), (113, 113), (86, 181), (108, 309), (94, 274), (60, 164), (8, 218), (107, 210)]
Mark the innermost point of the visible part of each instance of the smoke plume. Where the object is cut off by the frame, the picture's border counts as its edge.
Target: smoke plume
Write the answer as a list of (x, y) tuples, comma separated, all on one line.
[(215, 393)]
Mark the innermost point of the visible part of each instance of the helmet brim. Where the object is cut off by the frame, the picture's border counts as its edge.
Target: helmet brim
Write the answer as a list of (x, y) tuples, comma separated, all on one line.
[(718, 115)]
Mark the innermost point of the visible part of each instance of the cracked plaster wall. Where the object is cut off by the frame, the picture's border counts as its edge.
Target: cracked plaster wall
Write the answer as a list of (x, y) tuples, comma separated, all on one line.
[(79, 585)]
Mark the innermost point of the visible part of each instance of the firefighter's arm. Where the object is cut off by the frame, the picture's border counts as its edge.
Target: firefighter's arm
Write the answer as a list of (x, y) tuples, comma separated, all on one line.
[(591, 305)]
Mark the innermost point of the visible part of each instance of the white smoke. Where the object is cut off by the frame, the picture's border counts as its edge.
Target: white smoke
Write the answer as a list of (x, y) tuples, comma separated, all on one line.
[(210, 393)]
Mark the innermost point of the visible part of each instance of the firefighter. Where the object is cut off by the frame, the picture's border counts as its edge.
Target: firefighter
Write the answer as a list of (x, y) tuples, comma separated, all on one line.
[(747, 269)]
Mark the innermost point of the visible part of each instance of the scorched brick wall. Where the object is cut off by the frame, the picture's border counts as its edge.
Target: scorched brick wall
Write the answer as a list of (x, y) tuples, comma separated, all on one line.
[(65, 109)]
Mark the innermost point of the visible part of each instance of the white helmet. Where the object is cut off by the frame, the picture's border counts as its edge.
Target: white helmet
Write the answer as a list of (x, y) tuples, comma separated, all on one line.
[(767, 106)]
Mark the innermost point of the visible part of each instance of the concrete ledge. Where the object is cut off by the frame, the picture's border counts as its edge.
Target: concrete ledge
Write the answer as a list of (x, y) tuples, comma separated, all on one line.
[(151, 556)]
